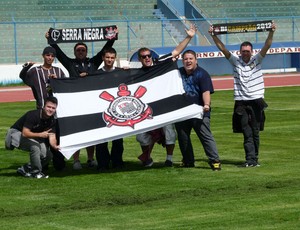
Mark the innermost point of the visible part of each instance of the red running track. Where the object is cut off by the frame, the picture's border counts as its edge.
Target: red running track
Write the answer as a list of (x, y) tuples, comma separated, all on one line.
[(23, 93)]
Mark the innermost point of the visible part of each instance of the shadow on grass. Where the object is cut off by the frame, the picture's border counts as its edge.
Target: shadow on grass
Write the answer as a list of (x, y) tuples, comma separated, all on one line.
[(68, 171), (129, 166)]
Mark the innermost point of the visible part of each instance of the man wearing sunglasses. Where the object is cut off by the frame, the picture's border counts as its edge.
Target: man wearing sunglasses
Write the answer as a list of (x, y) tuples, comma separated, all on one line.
[(167, 134)]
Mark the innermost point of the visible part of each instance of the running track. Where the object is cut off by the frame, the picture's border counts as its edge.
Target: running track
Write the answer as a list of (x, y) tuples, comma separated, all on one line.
[(23, 93)]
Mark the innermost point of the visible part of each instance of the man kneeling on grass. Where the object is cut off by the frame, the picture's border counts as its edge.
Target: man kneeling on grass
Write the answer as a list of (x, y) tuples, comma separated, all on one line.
[(34, 132)]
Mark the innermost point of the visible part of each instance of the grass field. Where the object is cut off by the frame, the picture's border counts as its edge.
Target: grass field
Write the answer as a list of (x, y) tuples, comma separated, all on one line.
[(267, 197)]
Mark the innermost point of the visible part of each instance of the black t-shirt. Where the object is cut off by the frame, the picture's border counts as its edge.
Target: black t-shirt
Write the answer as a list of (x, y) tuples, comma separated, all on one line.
[(33, 120)]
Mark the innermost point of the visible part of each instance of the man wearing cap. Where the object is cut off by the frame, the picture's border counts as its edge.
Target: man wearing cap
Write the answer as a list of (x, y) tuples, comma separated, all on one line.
[(38, 77)]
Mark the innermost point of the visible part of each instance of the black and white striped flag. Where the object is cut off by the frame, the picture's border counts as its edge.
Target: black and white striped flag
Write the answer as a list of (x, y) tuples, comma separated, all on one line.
[(117, 104)]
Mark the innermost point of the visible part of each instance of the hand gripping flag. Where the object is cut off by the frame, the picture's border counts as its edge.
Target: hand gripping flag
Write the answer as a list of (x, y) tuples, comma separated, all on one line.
[(113, 105)]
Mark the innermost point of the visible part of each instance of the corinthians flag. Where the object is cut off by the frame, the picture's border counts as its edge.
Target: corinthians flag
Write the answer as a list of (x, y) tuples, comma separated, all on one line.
[(117, 104)]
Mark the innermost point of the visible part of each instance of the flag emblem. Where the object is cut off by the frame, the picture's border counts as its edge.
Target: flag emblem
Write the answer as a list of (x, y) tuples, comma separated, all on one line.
[(126, 109)]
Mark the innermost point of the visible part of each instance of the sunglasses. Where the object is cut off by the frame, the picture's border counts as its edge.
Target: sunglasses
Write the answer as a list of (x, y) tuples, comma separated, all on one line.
[(146, 56)]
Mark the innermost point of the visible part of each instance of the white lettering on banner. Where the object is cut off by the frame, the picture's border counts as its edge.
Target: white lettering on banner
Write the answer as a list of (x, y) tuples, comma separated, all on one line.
[(93, 34), (280, 50), (71, 34)]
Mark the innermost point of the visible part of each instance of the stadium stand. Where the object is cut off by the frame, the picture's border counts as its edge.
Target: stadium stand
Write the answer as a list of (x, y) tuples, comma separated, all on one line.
[(28, 20), (23, 23), (218, 11)]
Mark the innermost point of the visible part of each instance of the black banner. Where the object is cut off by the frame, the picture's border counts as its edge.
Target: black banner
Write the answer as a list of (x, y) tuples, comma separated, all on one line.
[(242, 27), (88, 34)]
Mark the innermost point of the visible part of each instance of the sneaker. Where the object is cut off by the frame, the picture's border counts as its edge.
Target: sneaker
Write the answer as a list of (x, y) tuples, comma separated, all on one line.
[(148, 163), (40, 175), (92, 163), (168, 163), (22, 171), (247, 165), (215, 166), (77, 165)]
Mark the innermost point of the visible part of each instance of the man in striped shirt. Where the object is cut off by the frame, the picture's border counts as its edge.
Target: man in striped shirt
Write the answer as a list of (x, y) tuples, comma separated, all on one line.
[(248, 93), (38, 77)]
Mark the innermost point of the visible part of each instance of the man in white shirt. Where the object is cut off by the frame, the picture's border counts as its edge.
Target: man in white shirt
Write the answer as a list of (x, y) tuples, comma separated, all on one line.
[(248, 93)]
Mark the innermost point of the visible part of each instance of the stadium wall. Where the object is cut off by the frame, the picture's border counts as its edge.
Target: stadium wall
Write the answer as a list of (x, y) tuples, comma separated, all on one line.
[(281, 57)]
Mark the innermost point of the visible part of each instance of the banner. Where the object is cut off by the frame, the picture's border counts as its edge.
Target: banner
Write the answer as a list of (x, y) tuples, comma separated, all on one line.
[(117, 104), (242, 27), (89, 34)]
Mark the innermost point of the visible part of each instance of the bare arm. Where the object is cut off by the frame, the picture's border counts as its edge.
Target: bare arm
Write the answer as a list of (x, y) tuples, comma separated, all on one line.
[(53, 141), (268, 42), (183, 44), (219, 43), (206, 101)]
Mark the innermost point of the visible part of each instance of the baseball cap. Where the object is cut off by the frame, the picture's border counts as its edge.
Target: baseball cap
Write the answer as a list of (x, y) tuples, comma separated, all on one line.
[(49, 50)]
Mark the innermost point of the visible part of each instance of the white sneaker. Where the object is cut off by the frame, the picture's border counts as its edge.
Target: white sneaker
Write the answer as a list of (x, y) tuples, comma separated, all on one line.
[(77, 165), (40, 175)]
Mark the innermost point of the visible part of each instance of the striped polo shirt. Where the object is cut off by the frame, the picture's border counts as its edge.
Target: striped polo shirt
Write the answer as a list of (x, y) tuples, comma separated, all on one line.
[(248, 78)]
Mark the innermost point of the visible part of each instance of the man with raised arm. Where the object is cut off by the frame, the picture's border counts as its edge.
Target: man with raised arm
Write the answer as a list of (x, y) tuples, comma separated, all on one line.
[(249, 89)]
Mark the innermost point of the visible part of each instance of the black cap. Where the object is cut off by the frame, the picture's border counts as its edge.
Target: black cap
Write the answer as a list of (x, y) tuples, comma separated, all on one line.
[(49, 50)]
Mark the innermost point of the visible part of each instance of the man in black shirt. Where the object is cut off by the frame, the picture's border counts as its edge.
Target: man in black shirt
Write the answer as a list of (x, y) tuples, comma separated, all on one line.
[(34, 132)]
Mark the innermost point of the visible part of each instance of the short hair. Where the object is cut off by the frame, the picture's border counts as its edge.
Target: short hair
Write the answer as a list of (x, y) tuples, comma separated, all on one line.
[(109, 50), (80, 44), (51, 99), (189, 52), (143, 49), (246, 43), (49, 50)]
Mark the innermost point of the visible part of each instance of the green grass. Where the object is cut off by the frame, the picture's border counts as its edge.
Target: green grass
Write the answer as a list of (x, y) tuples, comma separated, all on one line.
[(267, 197)]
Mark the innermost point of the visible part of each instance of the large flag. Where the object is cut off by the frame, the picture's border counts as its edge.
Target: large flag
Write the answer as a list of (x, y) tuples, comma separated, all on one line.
[(117, 104)]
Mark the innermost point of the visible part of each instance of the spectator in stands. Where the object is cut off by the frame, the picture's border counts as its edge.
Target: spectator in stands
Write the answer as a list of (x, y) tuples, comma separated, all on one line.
[(198, 87), (38, 78), (167, 134), (35, 132), (80, 66), (102, 153), (248, 116)]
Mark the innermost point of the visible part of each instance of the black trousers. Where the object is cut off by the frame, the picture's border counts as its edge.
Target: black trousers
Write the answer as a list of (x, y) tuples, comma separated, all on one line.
[(103, 157), (250, 116), (58, 160)]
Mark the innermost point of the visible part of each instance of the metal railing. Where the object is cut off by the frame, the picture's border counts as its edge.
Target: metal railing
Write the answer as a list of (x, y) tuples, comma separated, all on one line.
[(24, 41)]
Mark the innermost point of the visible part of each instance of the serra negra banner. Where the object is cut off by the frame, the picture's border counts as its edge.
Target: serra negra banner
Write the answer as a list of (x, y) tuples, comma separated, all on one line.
[(87, 34)]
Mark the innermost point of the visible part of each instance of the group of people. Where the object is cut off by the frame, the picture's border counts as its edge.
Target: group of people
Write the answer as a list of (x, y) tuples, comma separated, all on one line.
[(38, 132)]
